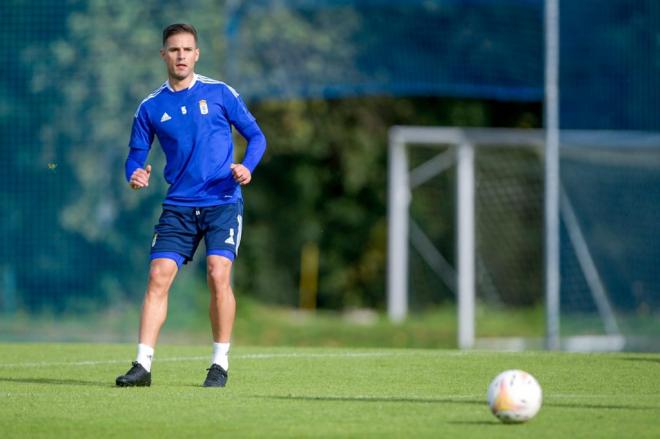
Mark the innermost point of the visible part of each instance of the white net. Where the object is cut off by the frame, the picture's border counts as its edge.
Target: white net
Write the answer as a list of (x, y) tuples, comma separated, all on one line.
[(611, 251), (610, 245), (509, 220)]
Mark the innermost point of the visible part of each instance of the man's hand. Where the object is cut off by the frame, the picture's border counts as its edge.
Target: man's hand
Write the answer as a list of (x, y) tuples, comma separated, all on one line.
[(241, 174), (140, 178)]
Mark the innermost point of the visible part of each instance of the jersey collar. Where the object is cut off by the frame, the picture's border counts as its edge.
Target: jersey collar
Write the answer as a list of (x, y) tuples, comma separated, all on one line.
[(194, 80)]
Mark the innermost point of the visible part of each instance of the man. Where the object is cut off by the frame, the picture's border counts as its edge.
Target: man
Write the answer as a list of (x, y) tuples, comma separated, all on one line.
[(192, 117)]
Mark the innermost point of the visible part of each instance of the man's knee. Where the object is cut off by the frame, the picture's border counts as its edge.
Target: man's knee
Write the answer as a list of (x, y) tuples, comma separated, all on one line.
[(161, 274), (218, 269)]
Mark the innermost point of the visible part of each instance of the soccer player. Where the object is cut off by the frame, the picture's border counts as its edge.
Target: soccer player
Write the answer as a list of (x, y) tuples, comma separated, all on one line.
[(192, 116)]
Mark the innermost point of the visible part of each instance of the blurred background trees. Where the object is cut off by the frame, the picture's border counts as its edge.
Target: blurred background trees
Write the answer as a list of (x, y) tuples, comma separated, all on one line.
[(78, 237), (74, 234)]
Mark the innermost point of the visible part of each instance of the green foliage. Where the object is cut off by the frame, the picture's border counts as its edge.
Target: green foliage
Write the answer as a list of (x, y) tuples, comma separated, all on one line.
[(323, 179), (95, 74), (111, 57)]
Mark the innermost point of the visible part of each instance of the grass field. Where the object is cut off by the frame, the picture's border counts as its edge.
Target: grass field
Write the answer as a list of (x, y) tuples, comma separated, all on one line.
[(67, 390), (266, 325)]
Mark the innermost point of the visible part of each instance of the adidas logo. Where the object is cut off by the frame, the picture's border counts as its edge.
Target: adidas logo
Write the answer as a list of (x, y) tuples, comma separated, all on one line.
[(230, 240), (165, 117)]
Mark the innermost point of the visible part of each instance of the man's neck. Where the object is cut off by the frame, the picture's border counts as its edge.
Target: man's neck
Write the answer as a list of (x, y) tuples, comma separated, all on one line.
[(181, 84)]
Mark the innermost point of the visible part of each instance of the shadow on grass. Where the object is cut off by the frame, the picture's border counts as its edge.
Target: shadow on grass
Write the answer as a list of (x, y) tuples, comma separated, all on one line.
[(57, 381), (577, 405), (489, 423), (448, 400), (373, 399)]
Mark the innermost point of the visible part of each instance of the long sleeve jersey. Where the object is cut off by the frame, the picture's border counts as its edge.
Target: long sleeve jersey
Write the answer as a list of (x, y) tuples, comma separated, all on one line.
[(193, 127)]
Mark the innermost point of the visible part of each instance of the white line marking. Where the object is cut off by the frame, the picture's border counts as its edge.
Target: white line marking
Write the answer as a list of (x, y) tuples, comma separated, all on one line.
[(207, 357)]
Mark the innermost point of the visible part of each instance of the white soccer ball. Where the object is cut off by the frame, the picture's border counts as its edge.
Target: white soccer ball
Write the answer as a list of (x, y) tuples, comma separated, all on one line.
[(514, 396)]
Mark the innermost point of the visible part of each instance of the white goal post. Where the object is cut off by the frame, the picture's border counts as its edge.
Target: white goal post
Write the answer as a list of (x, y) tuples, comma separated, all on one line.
[(456, 149), (401, 181)]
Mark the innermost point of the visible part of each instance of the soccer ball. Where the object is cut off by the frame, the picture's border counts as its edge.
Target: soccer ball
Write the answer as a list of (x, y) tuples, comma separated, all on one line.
[(514, 396)]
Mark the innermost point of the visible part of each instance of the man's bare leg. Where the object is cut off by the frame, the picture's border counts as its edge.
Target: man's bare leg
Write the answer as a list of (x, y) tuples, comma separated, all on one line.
[(154, 309), (222, 309)]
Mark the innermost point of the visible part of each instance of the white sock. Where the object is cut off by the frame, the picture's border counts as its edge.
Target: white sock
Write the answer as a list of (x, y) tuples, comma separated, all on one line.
[(144, 356), (220, 355)]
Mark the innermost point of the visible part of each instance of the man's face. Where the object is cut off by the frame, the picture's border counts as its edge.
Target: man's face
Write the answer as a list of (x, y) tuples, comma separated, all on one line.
[(180, 54)]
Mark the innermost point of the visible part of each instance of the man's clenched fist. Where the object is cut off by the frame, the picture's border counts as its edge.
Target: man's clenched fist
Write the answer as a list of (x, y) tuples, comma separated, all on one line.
[(140, 178)]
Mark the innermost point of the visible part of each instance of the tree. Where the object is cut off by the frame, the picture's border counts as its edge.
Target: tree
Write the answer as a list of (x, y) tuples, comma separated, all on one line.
[(322, 179)]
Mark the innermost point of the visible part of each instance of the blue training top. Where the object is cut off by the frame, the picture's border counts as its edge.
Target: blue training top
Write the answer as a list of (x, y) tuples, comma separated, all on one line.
[(193, 127)]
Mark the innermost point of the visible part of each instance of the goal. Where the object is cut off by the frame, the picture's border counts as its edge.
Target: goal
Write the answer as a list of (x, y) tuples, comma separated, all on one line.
[(483, 189)]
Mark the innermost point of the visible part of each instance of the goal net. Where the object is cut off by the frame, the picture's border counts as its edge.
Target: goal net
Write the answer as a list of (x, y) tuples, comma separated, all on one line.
[(466, 222)]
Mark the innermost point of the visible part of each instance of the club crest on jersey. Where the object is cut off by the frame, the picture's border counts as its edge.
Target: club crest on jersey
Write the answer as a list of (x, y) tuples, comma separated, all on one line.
[(203, 108)]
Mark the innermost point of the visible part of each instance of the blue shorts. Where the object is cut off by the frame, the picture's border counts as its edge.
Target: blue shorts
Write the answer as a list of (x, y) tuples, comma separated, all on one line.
[(180, 230)]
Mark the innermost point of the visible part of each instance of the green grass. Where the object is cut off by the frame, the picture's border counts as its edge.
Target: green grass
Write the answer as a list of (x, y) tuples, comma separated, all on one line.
[(66, 390), (263, 325)]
